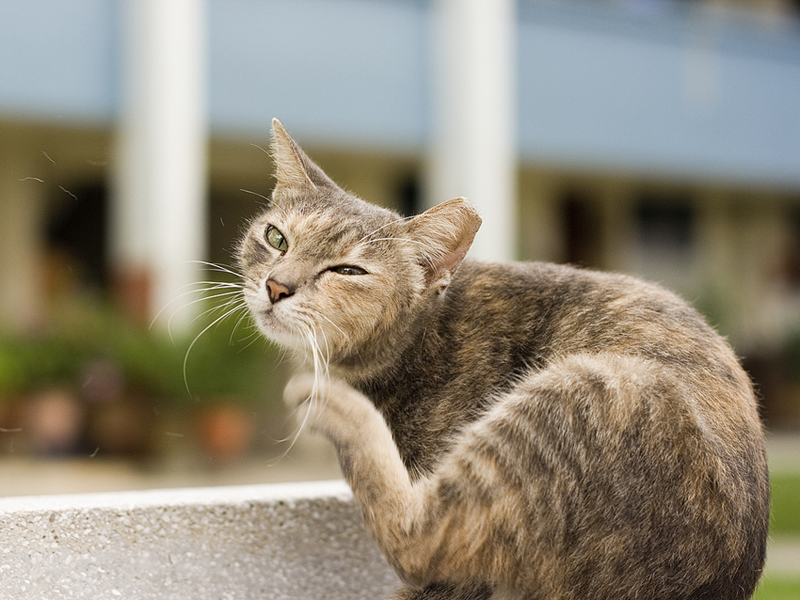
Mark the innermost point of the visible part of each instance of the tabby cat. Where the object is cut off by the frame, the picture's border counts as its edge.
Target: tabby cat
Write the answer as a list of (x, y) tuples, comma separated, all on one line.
[(515, 431)]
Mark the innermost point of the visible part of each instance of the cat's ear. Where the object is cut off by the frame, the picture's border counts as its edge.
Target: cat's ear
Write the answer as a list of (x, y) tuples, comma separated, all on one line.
[(294, 168), (443, 234)]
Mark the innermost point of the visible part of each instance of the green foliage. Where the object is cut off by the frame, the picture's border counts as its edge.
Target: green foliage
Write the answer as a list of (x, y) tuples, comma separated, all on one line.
[(776, 588), (792, 354), (785, 504), (36, 362), (220, 362)]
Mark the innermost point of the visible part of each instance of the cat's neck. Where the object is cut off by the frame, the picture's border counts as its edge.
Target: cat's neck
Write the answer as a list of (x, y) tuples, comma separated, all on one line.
[(380, 356)]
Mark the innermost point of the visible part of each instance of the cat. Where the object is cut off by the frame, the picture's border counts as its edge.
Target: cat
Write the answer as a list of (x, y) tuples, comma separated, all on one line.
[(516, 431)]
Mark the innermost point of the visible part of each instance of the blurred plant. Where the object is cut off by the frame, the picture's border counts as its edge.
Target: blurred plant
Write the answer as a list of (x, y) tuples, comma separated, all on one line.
[(35, 363), (94, 346), (792, 357)]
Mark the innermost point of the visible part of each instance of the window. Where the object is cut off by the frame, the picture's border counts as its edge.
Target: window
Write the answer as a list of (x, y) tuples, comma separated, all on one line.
[(665, 241), (665, 224), (582, 226)]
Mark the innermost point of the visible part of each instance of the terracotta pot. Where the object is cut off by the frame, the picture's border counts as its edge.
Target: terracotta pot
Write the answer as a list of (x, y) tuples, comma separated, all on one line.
[(53, 421), (225, 431), (11, 429), (123, 426)]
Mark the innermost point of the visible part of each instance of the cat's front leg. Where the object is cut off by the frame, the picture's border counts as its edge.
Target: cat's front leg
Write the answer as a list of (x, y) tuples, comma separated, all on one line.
[(367, 453), (395, 510)]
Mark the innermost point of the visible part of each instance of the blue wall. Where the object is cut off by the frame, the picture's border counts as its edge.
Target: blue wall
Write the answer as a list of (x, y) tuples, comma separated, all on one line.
[(59, 59), (345, 71), (665, 90), (672, 91)]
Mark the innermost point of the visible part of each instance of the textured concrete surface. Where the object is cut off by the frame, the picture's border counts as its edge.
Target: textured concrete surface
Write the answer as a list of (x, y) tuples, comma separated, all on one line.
[(297, 541)]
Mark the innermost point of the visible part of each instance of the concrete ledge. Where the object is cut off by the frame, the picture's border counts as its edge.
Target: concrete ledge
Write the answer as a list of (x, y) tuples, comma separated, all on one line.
[(298, 541)]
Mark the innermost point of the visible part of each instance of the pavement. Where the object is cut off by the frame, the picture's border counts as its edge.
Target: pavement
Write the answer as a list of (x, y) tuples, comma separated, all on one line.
[(783, 449), (309, 460)]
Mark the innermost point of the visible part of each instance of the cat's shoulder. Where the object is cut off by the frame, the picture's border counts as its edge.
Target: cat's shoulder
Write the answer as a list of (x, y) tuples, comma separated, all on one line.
[(560, 286), (549, 275)]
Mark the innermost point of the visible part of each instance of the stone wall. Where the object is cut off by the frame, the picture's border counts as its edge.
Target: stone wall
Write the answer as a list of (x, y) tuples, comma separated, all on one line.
[(298, 541)]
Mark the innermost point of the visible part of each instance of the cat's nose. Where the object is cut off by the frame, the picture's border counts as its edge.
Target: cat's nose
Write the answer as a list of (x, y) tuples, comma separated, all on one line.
[(277, 291)]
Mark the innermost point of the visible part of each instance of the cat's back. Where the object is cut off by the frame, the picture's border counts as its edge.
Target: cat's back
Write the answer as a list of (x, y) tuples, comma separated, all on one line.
[(523, 317), (501, 322), (569, 298), (544, 310), (633, 422)]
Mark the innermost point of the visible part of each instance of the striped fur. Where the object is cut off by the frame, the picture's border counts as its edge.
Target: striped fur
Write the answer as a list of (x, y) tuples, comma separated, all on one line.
[(511, 430)]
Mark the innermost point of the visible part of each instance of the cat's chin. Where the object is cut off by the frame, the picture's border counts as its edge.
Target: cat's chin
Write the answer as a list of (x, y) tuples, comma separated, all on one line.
[(271, 325), (279, 333)]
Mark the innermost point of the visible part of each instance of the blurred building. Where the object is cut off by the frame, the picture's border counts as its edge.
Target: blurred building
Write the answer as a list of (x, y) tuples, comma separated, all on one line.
[(649, 136)]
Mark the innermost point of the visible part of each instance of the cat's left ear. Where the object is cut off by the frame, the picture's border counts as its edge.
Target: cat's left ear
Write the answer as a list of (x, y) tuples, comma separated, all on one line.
[(444, 234), (294, 169)]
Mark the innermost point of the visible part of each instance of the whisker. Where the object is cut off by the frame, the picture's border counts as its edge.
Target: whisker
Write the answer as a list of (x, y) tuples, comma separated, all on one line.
[(255, 338), (264, 150), (205, 312), (340, 330), (209, 286), (262, 196), (212, 309), (245, 314), (210, 297), (217, 267), (404, 239), (390, 223), (328, 319), (308, 334)]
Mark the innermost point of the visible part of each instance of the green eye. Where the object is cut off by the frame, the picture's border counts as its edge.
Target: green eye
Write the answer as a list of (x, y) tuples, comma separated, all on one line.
[(276, 240), (348, 270)]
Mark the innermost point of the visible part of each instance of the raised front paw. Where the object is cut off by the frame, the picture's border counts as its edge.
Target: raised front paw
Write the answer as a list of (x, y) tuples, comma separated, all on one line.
[(301, 388), (328, 405)]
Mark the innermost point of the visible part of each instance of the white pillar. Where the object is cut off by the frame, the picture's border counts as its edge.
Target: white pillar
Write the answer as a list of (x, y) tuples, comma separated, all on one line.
[(159, 209), (474, 145)]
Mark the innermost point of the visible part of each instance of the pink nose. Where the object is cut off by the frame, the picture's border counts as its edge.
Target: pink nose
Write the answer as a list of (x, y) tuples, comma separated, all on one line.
[(277, 291)]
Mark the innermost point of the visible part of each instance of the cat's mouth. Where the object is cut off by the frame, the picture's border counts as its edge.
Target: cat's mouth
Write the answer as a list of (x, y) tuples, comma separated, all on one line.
[(274, 325), (277, 329), (263, 313), (268, 320)]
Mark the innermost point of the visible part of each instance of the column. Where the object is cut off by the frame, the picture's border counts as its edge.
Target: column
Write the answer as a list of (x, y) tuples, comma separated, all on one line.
[(716, 247), (159, 204), (473, 151)]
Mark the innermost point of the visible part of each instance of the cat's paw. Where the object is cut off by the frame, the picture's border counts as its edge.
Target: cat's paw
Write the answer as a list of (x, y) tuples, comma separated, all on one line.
[(300, 389), (329, 406)]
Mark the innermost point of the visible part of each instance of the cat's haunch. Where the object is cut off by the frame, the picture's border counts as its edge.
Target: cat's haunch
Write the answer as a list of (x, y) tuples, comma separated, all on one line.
[(518, 430)]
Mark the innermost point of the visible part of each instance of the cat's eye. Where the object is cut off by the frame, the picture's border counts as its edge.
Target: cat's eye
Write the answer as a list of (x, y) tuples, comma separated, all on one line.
[(276, 239), (348, 270)]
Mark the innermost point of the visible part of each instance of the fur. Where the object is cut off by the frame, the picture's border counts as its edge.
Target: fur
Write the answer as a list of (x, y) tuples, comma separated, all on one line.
[(520, 430)]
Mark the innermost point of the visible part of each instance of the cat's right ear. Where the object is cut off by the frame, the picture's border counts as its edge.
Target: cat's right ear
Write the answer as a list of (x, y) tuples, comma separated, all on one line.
[(443, 235), (294, 169)]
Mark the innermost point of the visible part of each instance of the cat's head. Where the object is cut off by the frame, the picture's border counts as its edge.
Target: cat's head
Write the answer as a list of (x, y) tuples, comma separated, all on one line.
[(333, 276)]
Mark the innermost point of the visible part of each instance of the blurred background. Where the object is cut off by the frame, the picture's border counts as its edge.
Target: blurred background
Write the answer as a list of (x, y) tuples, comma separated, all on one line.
[(655, 137)]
